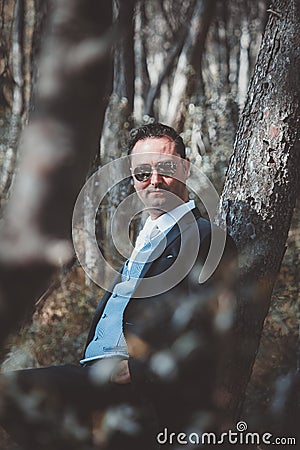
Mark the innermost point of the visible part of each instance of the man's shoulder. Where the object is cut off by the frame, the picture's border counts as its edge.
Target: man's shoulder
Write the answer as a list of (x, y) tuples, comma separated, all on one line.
[(205, 228), (204, 225)]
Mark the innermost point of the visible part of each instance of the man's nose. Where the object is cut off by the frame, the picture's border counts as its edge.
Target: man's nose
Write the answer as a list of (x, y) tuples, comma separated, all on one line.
[(155, 178)]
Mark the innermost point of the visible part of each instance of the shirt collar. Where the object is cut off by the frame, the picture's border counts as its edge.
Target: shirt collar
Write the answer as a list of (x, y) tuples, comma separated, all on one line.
[(170, 218)]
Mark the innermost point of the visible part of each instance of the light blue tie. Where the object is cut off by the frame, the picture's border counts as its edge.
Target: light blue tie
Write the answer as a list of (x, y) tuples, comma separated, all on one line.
[(142, 256)]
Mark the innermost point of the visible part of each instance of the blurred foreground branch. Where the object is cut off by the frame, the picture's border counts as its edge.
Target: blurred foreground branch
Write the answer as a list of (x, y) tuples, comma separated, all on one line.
[(55, 150)]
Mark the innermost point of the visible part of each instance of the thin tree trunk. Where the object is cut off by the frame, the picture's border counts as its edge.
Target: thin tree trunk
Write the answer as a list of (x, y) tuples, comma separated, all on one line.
[(179, 40), (262, 183), (118, 119), (42, 12), (19, 41), (189, 62), (18, 97), (119, 110), (142, 80)]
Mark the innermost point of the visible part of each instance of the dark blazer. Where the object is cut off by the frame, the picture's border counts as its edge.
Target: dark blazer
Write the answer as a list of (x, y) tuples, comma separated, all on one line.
[(180, 310)]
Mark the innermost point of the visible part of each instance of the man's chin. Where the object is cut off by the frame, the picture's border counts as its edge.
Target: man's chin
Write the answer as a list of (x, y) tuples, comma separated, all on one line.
[(156, 205), (156, 199), (160, 200), (160, 207)]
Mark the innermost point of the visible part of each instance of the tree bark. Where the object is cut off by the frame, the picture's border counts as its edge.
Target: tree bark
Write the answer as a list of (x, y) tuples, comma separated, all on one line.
[(17, 58), (142, 80), (262, 184), (21, 32), (118, 119), (56, 151)]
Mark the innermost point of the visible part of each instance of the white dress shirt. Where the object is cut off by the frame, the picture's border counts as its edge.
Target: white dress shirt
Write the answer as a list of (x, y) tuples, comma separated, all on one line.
[(164, 223)]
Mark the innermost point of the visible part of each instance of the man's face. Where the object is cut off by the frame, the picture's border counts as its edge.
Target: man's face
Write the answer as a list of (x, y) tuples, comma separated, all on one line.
[(162, 173)]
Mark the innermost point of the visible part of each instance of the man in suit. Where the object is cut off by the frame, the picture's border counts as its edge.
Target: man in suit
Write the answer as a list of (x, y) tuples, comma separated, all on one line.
[(157, 335), (156, 321)]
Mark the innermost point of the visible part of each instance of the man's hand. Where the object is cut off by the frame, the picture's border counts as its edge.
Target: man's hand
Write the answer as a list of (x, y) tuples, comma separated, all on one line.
[(121, 374)]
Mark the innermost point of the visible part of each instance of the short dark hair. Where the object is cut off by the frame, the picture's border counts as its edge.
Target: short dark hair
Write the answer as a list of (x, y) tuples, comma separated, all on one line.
[(156, 130)]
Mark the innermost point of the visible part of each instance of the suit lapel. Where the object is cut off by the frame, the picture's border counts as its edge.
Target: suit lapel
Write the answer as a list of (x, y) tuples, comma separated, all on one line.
[(175, 231)]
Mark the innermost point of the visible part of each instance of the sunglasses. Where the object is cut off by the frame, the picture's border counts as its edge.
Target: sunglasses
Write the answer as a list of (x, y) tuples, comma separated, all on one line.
[(144, 171)]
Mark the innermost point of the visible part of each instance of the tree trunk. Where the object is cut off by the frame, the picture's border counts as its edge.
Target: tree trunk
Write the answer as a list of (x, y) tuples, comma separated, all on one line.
[(57, 149), (182, 36), (21, 32), (118, 120), (262, 183), (142, 81), (189, 62)]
